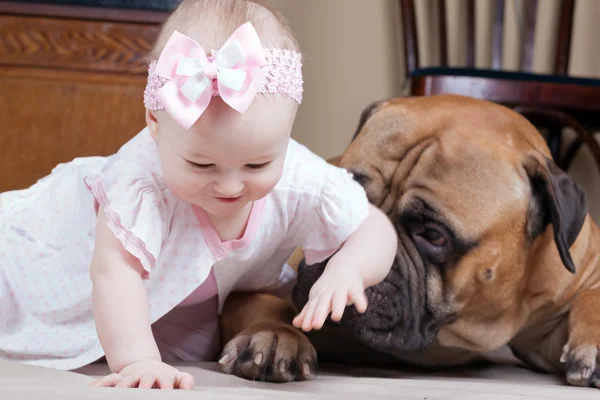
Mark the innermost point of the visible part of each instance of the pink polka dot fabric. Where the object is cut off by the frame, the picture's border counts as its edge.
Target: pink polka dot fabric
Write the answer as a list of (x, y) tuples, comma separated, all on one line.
[(47, 239)]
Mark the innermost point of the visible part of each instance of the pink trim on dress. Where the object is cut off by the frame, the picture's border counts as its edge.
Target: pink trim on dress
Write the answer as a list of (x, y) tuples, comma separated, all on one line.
[(130, 242), (219, 248)]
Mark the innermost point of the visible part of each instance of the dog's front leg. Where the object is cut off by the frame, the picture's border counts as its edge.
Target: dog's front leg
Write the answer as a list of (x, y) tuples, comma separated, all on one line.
[(261, 343), (581, 353)]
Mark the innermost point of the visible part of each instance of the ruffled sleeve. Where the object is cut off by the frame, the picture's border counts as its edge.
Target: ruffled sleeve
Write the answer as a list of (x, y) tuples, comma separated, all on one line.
[(341, 206), (135, 209)]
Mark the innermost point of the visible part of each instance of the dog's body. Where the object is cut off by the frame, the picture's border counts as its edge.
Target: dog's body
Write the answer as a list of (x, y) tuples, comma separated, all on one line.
[(496, 247)]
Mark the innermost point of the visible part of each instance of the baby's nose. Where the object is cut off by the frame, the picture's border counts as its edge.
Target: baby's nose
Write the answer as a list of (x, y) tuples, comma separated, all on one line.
[(230, 187)]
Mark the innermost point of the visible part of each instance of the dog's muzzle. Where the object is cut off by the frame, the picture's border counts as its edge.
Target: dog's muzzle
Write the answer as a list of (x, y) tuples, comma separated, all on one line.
[(399, 317)]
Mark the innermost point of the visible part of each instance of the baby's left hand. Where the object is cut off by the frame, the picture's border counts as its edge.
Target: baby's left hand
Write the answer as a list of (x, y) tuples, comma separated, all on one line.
[(332, 292)]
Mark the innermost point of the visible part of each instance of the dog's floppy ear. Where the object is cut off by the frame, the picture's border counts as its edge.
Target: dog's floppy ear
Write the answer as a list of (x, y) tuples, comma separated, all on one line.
[(366, 114), (556, 199)]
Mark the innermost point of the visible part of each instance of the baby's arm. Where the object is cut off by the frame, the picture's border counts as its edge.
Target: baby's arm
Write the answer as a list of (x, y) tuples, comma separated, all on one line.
[(364, 260), (122, 316), (120, 304), (370, 250)]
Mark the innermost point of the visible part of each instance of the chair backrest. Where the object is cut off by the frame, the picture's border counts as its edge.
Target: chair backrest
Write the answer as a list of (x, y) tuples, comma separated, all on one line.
[(563, 43)]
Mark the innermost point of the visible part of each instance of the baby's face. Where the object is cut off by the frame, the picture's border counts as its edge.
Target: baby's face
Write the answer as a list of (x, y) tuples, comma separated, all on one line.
[(226, 159)]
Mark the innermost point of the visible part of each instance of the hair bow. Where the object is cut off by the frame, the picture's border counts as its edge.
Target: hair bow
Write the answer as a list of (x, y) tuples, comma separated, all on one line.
[(236, 68)]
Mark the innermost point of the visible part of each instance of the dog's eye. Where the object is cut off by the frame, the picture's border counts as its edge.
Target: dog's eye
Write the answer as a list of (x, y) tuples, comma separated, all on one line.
[(362, 179), (433, 236), (432, 242)]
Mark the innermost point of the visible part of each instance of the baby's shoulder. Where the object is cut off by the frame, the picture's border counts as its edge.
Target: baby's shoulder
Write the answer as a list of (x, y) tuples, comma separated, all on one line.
[(136, 160), (311, 187), (303, 171), (308, 179)]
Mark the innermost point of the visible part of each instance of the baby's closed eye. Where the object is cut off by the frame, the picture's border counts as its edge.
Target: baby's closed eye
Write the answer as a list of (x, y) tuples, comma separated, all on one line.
[(258, 166), (200, 166)]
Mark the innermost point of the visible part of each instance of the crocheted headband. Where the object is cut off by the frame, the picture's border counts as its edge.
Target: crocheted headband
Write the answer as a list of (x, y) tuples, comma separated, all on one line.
[(184, 79)]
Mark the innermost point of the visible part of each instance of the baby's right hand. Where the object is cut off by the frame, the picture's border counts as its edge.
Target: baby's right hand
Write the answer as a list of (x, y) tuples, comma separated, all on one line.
[(148, 374)]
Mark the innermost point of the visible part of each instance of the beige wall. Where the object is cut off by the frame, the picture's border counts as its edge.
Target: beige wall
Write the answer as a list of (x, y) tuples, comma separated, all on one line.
[(351, 50), (354, 56)]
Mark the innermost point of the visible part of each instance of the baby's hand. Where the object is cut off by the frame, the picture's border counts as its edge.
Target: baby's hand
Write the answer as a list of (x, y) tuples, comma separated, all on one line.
[(148, 374), (335, 289)]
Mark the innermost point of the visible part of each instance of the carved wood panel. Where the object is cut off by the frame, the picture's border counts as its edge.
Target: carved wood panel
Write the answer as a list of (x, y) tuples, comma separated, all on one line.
[(68, 88), (77, 45)]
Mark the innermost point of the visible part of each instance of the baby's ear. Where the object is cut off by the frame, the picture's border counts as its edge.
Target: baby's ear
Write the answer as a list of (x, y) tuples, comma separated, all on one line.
[(152, 124)]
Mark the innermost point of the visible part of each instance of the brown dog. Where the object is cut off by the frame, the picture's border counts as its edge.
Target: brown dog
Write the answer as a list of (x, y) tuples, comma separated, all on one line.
[(495, 247)]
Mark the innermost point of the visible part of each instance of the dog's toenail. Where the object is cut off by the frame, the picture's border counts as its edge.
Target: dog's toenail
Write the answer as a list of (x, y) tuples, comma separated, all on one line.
[(305, 369), (225, 359), (282, 366)]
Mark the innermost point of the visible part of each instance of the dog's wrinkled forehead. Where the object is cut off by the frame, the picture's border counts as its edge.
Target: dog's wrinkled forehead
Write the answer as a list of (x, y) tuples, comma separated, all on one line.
[(412, 148), (489, 188), (406, 121)]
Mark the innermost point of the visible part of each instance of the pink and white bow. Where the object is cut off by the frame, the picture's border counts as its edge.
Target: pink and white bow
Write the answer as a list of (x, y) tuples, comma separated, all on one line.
[(184, 79)]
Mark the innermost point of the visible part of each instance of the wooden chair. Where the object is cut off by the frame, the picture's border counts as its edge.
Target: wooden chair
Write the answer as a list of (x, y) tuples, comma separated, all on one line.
[(550, 101)]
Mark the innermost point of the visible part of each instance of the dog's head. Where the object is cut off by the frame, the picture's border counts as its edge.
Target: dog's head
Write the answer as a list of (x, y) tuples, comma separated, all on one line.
[(475, 197)]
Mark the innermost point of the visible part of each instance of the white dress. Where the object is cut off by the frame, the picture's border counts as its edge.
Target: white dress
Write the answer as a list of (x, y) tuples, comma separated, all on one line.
[(47, 238)]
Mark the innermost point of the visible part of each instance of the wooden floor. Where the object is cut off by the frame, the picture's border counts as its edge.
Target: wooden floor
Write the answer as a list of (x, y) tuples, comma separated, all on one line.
[(506, 382)]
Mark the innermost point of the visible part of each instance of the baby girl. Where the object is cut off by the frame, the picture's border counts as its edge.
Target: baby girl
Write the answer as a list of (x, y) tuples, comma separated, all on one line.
[(131, 257)]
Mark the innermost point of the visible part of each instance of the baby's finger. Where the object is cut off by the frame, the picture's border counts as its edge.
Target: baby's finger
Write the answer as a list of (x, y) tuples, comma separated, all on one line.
[(164, 382), (360, 300), (338, 304), (310, 313), (147, 381), (297, 322), (107, 381), (130, 381), (184, 381), (321, 312)]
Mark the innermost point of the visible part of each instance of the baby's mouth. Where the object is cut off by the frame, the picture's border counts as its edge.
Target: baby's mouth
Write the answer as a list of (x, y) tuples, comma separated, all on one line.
[(228, 200)]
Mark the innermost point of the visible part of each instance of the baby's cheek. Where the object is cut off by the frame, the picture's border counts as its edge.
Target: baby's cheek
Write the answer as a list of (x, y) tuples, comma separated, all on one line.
[(266, 183), (178, 183)]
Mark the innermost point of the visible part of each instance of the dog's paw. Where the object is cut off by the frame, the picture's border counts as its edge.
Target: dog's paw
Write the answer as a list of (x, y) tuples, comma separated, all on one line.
[(581, 365), (270, 352)]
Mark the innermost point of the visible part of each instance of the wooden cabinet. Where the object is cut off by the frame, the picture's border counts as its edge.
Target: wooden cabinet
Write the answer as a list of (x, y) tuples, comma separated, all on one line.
[(71, 84)]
